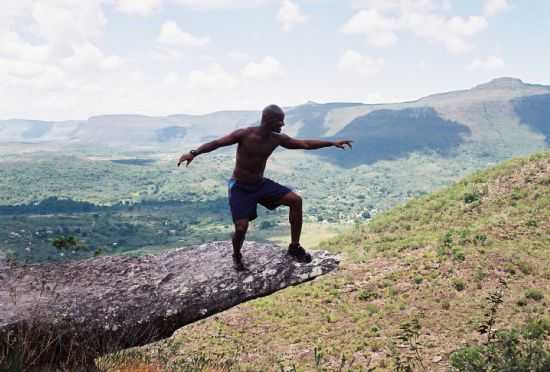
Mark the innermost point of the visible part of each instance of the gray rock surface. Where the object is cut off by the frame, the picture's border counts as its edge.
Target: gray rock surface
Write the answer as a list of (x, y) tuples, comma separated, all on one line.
[(109, 303)]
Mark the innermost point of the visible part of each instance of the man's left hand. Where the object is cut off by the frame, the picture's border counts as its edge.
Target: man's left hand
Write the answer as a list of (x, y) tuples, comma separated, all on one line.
[(342, 144)]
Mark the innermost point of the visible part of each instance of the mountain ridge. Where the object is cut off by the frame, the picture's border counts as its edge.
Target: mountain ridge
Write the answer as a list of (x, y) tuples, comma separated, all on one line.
[(215, 123), (504, 113), (501, 82)]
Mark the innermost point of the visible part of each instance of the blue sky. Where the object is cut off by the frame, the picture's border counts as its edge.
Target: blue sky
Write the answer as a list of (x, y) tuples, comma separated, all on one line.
[(69, 59)]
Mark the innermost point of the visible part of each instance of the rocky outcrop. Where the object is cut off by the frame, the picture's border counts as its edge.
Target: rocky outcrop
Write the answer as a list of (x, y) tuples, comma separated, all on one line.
[(104, 304)]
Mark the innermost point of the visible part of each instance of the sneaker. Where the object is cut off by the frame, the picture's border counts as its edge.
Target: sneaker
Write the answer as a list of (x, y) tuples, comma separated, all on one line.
[(299, 253), (238, 262)]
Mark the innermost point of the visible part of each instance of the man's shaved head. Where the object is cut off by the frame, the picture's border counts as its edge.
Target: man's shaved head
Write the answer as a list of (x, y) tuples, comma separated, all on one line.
[(271, 113)]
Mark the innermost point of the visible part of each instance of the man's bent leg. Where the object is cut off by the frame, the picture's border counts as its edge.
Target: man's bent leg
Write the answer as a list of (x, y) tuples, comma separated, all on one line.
[(241, 226), (294, 202)]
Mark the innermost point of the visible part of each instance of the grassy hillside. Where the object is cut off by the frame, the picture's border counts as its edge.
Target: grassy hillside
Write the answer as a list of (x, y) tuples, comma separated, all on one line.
[(433, 260)]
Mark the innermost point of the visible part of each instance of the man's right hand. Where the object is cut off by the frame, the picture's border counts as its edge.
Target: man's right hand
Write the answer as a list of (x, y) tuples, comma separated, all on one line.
[(186, 157)]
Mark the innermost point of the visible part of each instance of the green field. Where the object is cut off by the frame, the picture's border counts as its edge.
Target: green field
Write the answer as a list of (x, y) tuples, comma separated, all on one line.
[(143, 202)]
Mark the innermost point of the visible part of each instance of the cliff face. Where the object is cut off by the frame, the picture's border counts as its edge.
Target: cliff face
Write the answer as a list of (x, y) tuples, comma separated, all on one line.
[(108, 303)]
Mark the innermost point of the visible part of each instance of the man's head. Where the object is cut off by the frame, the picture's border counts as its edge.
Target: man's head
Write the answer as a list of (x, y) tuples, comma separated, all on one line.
[(273, 118)]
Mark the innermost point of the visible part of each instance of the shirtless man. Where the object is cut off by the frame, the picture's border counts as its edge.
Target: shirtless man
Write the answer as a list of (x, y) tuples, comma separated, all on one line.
[(248, 186)]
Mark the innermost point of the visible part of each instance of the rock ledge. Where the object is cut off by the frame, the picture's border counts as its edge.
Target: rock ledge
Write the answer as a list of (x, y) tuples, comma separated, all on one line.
[(109, 303)]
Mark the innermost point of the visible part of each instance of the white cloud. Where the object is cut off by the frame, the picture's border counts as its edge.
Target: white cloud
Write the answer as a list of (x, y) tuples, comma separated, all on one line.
[(454, 32), (112, 63), (382, 5), (493, 7), (51, 54), (17, 75), (55, 54), (490, 63), (392, 5), (164, 54), (447, 5), (65, 23), (171, 35), (14, 12), (171, 78), (290, 15), (220, 4), (266, 69), (375, 97), (352, 61), (213, 78), (21, 69), (140, 7), (466, 26), (13, 46), (378, 28), (146, 7), (238, 55), (381, 22), (88, 58)]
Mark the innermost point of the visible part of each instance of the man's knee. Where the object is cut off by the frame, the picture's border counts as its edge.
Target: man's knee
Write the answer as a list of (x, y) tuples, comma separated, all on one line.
[(294, 200), (241, 227)]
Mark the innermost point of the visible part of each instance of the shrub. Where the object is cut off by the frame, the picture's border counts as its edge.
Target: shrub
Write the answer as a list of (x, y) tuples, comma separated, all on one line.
[(65, 243), (444, 248), (506, 350), (468, 359), (525, 267), (447, 240), (479, 275), (464, 237), (372, 309), (510, 351), (458, 255), (518, 194), (521, 302), (471, 197), (534, 294), (392, 292), (367, 295), (474, 193), (459, 284), (409, 359), (480, 239), (509, 268), (531, 223)]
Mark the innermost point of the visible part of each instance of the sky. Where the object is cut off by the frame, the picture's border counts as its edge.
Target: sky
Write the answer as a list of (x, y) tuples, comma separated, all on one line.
[(72, 59)]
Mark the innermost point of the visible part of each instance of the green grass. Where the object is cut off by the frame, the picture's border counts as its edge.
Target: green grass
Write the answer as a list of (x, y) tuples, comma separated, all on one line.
[(434, 259)]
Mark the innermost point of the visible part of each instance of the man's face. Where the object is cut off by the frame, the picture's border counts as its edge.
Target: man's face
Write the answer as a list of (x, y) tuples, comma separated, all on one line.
[(276, 124)]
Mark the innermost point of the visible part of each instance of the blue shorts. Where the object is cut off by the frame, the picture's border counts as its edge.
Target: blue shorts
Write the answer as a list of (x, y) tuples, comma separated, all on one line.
[(244, 198)]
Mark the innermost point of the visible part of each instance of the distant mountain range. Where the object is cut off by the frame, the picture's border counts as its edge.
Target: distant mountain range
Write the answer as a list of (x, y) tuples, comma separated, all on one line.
[(504, 112)]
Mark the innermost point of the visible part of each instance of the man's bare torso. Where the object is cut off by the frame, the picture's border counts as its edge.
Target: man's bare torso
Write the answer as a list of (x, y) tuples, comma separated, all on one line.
[(253, 150)]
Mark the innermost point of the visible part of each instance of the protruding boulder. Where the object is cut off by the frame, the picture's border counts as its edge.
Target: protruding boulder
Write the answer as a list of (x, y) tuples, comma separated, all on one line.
[(86, 308)]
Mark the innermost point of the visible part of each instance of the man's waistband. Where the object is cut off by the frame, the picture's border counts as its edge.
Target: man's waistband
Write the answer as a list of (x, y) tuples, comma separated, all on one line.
[(244, 185)]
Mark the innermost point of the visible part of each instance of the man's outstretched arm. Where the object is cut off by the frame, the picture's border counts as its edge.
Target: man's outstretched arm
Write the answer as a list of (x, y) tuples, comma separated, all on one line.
[(311, 144), (230, 139)]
